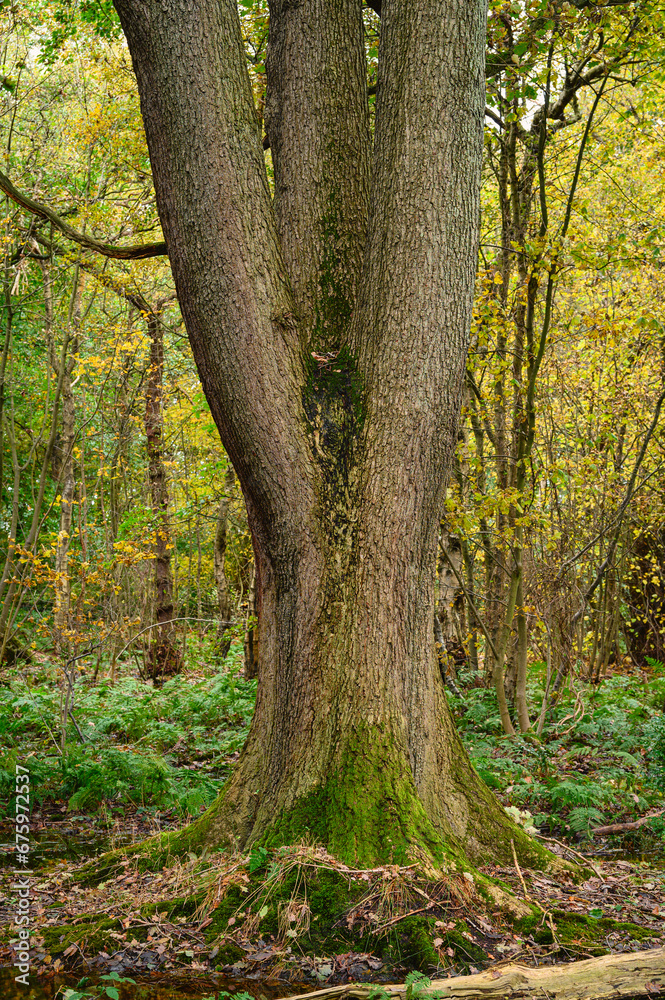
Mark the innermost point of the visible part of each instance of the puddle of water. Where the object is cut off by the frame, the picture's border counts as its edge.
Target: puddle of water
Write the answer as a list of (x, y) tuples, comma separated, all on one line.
[(162, 988), (51, 845)]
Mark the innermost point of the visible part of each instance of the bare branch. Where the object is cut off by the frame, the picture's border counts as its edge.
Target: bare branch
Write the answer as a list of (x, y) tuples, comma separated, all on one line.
[(43, 212)]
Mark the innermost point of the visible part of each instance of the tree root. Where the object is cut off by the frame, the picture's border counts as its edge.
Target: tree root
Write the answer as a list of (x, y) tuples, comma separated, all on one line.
[(639, 973)]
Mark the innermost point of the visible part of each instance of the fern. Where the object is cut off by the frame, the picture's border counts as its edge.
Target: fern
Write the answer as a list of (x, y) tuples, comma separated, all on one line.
[(575, 793), (581, 818)]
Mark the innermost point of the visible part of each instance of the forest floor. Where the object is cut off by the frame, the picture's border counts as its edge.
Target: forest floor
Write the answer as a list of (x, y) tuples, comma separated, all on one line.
[(154, 757), (215, 915)]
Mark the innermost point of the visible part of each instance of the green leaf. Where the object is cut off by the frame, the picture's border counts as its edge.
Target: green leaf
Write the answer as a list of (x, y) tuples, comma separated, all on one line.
[(257, 858)]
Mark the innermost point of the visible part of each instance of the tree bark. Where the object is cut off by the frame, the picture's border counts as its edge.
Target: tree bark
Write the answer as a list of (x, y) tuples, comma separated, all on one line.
[(66, 476), (342, 460), (251, 642), (224, 598)]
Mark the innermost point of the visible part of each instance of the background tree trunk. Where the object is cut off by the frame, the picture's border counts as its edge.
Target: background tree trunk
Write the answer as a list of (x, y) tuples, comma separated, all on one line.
[(163, 658), (66, 476)]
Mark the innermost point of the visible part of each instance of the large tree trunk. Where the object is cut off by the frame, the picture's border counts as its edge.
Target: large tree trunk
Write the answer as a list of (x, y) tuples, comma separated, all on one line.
[(343, 461)]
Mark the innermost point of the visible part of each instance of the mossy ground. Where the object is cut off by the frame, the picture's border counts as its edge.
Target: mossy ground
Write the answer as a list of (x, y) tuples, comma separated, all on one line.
[(579, 929), (312, 909), (91, 935), (288, 908)]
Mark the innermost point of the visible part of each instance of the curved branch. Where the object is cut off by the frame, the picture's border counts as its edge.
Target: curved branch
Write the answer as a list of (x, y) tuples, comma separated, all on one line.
[(43, 212)]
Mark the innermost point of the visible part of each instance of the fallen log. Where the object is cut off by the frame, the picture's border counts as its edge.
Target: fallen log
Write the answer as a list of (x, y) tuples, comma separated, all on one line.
[(640, 973), (600, 831)]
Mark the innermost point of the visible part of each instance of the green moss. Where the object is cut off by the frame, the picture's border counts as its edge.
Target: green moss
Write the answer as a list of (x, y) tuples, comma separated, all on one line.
[(411, 943), (329, 894), (533, 855), (183, 906), (579, 928), (466, 951), (93, 935), (333, 404), (367, 812), (228, 907), (228, 953)]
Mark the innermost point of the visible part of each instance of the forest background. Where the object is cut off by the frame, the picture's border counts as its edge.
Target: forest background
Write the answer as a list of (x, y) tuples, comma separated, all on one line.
[(128, 634)]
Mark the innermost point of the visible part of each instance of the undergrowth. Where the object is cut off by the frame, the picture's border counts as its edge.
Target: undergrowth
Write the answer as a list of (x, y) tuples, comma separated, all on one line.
[(168, 748), (600, 758)]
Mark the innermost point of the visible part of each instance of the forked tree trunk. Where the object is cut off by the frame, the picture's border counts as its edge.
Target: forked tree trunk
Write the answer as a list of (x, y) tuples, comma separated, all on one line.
[(342, 461)]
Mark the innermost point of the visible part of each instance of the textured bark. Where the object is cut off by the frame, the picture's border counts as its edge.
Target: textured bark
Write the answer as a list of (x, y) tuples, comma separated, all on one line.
[(251, 643), (448, 586), (224, 597), (342, 461), (317, 123), (159, 493)]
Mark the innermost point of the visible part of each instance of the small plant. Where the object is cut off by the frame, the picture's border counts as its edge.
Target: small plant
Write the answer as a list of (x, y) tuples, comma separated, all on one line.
[(577, 792), (522, 817), (107, 990), (258, 859), (581, 818), (417, 987), (225, 995)]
